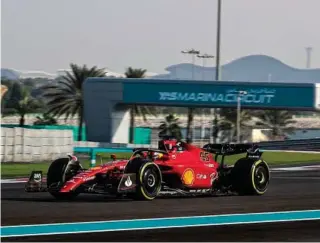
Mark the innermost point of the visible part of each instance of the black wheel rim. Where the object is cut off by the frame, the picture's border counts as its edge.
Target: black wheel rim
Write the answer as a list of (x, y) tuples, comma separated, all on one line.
[(261, 178), (150, 180)]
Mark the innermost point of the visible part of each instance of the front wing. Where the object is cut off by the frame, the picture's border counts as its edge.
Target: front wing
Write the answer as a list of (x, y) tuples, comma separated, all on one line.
[(35, 182)]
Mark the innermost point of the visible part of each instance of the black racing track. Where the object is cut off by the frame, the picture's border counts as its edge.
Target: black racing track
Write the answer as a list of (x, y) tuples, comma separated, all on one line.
[(288, 191)]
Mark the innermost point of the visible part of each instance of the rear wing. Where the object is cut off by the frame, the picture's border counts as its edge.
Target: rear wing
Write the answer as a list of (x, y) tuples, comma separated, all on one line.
[(252, 150)]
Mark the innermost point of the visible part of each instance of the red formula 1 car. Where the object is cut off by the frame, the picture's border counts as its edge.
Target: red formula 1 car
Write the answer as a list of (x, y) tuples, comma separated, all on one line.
[(173, 168)]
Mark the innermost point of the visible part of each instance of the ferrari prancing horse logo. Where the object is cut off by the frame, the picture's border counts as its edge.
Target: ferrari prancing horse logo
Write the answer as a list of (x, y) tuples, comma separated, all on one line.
[(128, 182), (188, 177)]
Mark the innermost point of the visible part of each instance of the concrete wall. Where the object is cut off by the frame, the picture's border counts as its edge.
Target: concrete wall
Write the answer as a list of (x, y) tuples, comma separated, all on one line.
[(34, 145), (120, 125), (317, 94)]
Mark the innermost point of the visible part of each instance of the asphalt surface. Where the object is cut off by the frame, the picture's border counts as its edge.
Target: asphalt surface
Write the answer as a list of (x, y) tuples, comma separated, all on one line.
[(287, 191)]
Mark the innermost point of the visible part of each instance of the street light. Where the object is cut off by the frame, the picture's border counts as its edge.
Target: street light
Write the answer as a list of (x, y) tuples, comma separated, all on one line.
[(204, 57), (193, 53), (218, 40), (214, 111), (240, 94)]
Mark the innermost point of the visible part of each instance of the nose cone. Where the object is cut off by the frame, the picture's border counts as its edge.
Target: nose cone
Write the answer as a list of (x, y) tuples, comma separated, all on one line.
[(71, 184)]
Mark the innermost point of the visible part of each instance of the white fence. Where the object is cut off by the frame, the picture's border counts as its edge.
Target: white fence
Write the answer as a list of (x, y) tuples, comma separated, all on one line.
[(34, 145)]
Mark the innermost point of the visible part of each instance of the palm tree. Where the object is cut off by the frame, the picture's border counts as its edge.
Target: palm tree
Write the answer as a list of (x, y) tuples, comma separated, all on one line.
[(136, 109), (65, 97), (279, 121), (10, 89), (228, 121), (189, 125), (21, 103), (170, 127), (4, 90), (45, 119)]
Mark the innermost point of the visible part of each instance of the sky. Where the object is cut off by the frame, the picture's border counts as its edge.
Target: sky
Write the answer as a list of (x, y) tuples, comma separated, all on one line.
[(48, 35)]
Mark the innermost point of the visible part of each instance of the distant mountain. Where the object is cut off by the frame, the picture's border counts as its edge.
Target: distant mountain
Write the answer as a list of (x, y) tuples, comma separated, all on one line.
[(259, 68), (255, 68), (9, 74)]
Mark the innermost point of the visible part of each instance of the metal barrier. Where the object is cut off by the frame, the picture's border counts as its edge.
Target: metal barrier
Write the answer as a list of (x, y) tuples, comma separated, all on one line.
[(312, 144)]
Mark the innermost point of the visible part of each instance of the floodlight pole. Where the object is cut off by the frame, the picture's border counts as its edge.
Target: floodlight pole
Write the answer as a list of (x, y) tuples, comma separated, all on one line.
[(218, 41), (193, 53), (217, 78), (204, 57)]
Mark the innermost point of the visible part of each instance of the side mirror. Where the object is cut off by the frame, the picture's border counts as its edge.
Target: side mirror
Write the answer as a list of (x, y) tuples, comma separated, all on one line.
[(72, 157), (113, 157)]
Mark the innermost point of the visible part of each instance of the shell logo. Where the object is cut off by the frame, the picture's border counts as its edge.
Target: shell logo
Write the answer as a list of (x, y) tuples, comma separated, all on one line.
[(188, 177)]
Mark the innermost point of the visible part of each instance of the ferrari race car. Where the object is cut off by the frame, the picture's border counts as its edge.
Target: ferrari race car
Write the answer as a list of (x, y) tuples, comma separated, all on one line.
[(173, 168)]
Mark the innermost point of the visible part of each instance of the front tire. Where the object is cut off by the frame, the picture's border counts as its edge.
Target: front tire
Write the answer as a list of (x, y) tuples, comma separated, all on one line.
[(149, 179), (250, 176), (56, 177)]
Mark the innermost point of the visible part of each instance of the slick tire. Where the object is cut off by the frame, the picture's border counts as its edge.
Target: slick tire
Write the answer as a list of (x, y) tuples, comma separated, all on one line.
[(55, 175), (250, 176), (149, 181)]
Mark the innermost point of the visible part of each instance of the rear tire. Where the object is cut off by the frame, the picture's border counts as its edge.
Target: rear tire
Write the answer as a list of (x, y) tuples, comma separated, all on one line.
[(250, 176), (55, 176)]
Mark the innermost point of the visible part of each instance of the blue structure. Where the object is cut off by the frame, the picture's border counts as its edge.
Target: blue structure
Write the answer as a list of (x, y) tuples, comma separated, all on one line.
[(220, 94), (106, 100)]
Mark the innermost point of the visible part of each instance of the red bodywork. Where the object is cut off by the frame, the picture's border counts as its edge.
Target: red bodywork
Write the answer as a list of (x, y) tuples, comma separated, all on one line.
[(195, 167)]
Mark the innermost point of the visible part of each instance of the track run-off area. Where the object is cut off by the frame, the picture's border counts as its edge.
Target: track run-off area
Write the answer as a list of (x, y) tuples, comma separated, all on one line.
[(289, 211)]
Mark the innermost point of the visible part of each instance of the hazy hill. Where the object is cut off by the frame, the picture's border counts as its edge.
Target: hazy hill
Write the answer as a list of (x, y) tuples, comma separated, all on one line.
[(259, 68)]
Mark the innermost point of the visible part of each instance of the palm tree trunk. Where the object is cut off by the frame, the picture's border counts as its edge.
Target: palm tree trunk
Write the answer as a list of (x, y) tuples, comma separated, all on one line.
[(132, 121), (215, 131), (80, 124), (22, 120), (189, 125)]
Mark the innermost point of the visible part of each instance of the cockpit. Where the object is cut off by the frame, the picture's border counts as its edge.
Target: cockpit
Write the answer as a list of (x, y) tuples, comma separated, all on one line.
[(170, 144)]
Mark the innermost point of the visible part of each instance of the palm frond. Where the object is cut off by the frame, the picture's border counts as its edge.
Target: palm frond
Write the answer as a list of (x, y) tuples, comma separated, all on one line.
[(65, 96), (276, 120)]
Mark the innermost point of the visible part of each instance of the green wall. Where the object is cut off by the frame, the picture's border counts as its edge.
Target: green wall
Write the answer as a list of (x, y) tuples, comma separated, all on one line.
[(142, 135)]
